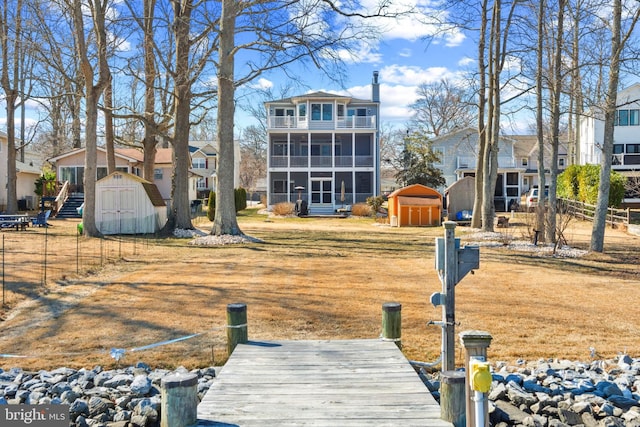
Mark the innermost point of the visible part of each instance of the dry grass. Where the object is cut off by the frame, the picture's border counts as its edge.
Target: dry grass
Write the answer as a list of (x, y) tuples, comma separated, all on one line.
[(361, 209), (284, 209), (327, 279)]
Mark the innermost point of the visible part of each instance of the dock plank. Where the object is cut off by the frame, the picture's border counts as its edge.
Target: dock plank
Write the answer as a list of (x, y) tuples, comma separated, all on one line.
[(318, 383)]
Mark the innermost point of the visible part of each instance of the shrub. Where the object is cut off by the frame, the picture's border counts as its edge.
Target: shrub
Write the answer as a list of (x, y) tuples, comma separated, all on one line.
[(361, 209), (375, 202), (241, 199), (284, 209), (581, 183), (211, 206)]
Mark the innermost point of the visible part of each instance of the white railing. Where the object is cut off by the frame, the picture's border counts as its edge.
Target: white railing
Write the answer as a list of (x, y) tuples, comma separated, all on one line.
[(471, 162), (343, 122)]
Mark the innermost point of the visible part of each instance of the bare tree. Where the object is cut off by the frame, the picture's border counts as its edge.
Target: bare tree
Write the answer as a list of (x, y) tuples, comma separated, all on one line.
[(443, 107), (619, 36), (58, 77), (253, 157), (14, 48)]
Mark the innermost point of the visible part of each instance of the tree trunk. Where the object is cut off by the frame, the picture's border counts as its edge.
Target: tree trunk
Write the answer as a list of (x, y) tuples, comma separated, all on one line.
[(91, 159), (225, 221), (180, 213), (149, 141), (490, 159), (476, 219), (108, 127), (556, 87), (600, 215), (540, 226)]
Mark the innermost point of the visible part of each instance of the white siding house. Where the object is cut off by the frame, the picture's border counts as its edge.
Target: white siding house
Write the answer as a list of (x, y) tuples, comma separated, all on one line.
[(517, 162), (323, 142), (27, 173), (626, 138)]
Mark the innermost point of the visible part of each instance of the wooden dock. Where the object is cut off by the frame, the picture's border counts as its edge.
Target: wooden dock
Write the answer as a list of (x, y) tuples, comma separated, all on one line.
[(319, 383)]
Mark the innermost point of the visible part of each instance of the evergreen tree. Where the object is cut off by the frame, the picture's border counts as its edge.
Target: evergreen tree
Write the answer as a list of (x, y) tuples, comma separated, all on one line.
[(416, 163)]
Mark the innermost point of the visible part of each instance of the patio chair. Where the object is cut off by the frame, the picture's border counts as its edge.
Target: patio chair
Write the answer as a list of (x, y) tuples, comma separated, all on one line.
[(41, 219)]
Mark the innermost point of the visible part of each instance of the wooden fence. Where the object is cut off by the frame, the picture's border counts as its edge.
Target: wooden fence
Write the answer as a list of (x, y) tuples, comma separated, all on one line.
[(586, 211)]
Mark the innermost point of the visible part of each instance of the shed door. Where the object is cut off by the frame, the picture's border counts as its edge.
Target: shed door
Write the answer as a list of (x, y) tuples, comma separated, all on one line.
[(118, 210)]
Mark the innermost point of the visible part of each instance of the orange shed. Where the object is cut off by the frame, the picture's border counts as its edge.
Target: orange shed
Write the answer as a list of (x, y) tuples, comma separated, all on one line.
[(415, 205)]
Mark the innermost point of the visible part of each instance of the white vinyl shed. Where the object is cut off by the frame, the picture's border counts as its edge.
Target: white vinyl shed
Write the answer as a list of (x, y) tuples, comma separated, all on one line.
[(127, 204)]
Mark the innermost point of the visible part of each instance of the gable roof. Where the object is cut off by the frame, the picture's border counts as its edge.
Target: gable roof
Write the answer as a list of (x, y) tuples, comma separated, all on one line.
[(318, 96), (133, 155)]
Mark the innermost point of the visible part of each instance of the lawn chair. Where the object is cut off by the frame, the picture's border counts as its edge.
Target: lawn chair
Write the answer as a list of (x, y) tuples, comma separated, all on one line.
[(41, 219)]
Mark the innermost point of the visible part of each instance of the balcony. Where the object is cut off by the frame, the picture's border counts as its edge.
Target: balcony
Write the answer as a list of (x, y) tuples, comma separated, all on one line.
[(321, 161), (625, 161), (470, 162), (343, 122)]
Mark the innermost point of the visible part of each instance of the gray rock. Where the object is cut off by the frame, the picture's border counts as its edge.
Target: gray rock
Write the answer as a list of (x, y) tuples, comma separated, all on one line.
[(79, 407), (510, 414), (140, 385), (623, 402), (518, 396), (570, 418), (98, 405), (611, 422), (138, 421), (118, 380)]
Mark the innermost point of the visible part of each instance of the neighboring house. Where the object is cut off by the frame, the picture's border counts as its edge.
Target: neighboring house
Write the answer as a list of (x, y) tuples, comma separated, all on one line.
[(517, 162), (626, 144), (320, 143), (27, 173), (69, 167), (204, 164)]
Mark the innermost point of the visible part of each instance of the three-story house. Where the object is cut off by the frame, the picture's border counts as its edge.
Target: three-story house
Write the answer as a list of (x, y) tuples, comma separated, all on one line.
[(324, 149)]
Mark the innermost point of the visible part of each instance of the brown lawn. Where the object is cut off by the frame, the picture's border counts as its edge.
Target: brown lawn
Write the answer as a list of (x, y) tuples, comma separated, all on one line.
[(310, 279)]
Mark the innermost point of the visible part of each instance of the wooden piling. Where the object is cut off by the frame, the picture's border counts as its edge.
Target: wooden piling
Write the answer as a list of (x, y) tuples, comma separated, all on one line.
[(179, 401), (236, 326), (452, 397), (392, 322)]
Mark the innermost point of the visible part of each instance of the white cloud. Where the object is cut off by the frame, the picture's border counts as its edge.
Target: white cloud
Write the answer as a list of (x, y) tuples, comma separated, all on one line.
[(262, 83), (405, 53), (466, 62), (413, 75)]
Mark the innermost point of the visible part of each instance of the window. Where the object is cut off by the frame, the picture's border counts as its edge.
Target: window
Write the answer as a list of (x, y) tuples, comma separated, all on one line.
[(524, 162), (633, 148), (627, 118), (199, 163), (157, 174), (322, 112), (302, 110), (618, 148), (623, 117), (280, 186), (280, 112), (201, 183), (360, 112), (561, 162), (279, 148), (340, 110)]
